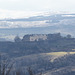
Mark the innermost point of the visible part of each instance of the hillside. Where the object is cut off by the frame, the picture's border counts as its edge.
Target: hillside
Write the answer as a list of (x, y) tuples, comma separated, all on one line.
[(53, 43), (48, 63), (53, 55), (63, 66)]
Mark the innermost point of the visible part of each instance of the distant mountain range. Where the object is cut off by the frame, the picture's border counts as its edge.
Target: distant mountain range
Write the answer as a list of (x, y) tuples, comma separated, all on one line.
[(63, 23), (37, 21)]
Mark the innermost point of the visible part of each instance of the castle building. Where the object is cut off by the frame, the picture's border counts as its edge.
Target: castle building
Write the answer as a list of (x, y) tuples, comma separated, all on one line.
[(35, 37), (38, 37)]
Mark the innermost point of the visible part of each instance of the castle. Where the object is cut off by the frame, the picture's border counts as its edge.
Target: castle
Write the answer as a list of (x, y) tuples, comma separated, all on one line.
[(35, 37), (38, 37)]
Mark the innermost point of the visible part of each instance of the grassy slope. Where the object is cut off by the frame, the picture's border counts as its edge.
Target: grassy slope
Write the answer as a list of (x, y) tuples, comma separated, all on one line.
[(51, 56), (61, 71), (40, 61), (58, 54)]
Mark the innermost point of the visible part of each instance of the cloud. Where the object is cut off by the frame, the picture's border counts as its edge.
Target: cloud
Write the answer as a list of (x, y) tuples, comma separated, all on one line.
[(37, 5), (20, 8), (17, 14), (9, 0)]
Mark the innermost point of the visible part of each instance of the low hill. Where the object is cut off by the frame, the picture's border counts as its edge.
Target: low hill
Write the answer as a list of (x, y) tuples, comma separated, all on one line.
[(45, 62)]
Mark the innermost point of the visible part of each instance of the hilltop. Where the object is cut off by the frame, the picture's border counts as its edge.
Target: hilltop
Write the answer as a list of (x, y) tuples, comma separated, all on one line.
[(38, 43)]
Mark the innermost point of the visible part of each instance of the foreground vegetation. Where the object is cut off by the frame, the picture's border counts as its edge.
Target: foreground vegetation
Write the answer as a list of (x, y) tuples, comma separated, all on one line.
[(63, 65), (49, 57)]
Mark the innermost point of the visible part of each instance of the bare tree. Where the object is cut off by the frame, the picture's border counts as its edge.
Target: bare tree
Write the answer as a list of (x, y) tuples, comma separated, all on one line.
[(5, 66), (30, 71)]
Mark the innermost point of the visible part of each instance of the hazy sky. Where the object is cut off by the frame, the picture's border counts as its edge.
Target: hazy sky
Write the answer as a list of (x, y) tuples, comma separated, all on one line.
[(20, 8)]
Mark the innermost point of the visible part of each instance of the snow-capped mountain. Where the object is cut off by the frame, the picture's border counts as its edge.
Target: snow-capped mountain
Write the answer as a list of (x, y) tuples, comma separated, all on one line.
[(39, 21), (63, 23)]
